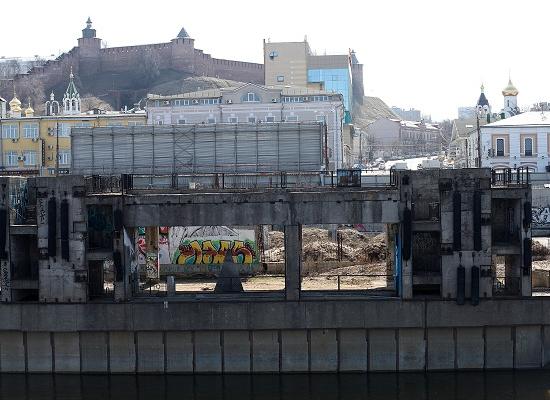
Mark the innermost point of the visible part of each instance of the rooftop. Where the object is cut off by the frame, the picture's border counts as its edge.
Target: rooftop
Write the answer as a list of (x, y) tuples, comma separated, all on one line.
[(531, 118)]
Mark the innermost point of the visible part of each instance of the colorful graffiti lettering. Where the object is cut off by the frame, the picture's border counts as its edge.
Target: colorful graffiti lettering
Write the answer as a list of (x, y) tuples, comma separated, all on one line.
[(214, 252)]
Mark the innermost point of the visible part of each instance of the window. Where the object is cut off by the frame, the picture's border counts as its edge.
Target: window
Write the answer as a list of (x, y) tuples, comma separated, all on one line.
[(64, 130), (211, 120), (114, 123), (30, 131), (177, 103), (157, 103), (134, 123), (273, 54), (10, 158), (29, 157), (64, 157), (270, 119), (252, 120), (181, 121), (159, 122), (10, 131), (251, 98), (186, 102), (209, 101), (321, 118), (528, 146), (292, 118), (500, 147), (280, 78), (233, 120), (83, 124)]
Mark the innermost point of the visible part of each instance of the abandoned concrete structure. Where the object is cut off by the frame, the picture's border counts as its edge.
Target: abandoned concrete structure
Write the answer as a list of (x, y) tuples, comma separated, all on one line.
[(447, 229)]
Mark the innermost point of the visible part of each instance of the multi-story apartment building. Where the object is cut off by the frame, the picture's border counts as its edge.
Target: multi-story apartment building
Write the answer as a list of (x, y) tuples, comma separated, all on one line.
[(40, 145), (294, 64), (519, 141), (411, 114), (256, 104)]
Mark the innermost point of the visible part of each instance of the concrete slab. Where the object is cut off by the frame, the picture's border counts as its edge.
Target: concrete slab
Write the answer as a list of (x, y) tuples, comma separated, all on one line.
[(323, 350), (12, 352), (441, 349), (470, 348), (66, 352), (208, 351), (412, 350), (93, 352), (528, 347), (122, 352), (265, 351), (179, 352), (39, 352), (382, 350), (353, 350), (150, 352), (294, 351), (236, 351), (499, 348)]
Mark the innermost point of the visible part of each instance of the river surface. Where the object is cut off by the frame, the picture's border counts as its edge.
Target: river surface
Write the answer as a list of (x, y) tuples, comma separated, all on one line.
[(528, 385)]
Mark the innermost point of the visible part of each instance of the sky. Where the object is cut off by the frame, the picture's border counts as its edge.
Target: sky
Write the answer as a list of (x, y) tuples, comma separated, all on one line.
[(430, 55)]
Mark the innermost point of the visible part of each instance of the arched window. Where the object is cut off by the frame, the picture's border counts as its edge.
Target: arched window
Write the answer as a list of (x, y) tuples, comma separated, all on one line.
[(251, 98)]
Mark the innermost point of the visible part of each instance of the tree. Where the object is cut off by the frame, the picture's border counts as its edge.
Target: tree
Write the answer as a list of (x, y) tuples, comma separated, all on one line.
[(89, 102)]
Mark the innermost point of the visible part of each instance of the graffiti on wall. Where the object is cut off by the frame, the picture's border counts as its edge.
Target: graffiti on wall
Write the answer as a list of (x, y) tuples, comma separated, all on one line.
[(541, 215), (214, 252), (196, 245)]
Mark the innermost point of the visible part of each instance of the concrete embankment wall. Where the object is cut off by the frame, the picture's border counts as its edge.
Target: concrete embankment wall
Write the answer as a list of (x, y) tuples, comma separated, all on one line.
[(274, 336)]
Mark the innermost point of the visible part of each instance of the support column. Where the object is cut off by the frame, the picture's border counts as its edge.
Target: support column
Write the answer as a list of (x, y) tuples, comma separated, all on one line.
[(293, 261), (5, 278)]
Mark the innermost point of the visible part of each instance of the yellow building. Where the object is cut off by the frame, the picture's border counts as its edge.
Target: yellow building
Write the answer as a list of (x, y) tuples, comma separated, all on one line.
[(41, 145)]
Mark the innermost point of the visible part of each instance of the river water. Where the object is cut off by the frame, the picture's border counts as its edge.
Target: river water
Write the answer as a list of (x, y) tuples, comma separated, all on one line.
[(527, 385)]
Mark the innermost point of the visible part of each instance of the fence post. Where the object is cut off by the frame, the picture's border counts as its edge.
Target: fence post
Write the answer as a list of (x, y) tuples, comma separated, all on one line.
[(338, 276)]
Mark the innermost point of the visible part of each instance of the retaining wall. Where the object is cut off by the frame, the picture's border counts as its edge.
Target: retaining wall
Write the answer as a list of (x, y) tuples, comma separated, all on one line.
[(274, 336)]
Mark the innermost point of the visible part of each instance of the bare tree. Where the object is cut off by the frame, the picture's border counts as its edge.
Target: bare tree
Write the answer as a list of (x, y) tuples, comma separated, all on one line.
[(89, 102)]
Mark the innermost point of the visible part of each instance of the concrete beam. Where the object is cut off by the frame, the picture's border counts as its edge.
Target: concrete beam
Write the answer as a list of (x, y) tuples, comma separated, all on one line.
[(265, 351), (94, 352), (150, 352), (236, 351), (12, 352), (122, 352), (294, 351), (353, 350), (39, 352), (323, 350), (208, 352), (382, 350), (67, 352), (412, 350)]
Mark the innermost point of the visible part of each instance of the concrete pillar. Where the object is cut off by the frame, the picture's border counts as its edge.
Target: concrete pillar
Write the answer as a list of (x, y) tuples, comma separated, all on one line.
[(382, 350), (412, 350), (499, 347), (441, 349), (93, 349), (152, 267), (294, 351), (179, 352), (12, 352), (546, 344), (236, 351), (353, 350), (150, 352), (293, 261), (208, 352), (39, 352), (470, 348), (528, 347), (323, 350), (5, 270), (66, 352), (265, 351), (122, 352)]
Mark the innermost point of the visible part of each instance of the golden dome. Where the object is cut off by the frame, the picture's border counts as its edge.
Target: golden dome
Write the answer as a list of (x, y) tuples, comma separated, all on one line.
[(29, 111), (510, 90), (15, 104)]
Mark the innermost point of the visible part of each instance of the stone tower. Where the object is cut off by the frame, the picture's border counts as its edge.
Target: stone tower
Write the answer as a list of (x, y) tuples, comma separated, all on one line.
[(88, 48), (183, 52)]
